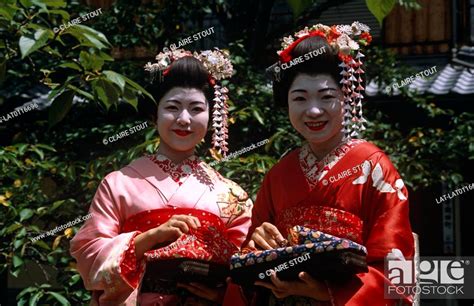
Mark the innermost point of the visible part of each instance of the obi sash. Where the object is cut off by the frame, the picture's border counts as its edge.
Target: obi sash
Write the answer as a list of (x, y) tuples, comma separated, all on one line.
[(201, 255)]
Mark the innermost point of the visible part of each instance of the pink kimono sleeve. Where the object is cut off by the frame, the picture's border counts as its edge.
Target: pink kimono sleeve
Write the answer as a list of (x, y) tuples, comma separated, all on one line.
[(386, 227), (238, 228), (106, 257), (234, 295)]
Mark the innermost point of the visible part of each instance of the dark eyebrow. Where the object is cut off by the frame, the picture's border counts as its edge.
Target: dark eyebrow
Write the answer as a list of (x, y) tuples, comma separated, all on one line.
[(175, 101), (320, 90), (298, 90), (197, 102), (327, 88)]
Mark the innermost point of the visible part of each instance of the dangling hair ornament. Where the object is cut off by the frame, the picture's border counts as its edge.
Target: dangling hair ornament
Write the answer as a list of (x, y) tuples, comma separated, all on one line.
[(344, 41), (217, 63)]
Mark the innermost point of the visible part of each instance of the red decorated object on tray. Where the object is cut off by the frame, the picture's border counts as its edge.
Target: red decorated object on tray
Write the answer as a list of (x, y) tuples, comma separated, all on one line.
[(201, 255), (208, 243), (329, 220)]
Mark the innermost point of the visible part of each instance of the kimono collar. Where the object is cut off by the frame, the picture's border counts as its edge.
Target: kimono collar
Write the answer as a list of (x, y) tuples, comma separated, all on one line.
[(315, 169), (187, 161), (179, 171)]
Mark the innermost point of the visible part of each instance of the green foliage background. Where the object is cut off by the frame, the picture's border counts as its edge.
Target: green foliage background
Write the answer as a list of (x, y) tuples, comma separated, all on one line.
[(51, 161)]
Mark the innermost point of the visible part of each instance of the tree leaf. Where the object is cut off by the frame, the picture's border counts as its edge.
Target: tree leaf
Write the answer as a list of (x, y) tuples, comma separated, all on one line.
[(60, 298), (38, 151), (139, 88), (54, 3), (29, 44), (8, 11), (71, 65), (17, 261), (130, 98), (57, 204), (35, 298), (41, 4), (105, 56), (15, 272), (59, 89), (74, 279), (90, 62), (105, 92), (25, 291), (95, 33), (257, 116), (60, 107), (380, 8), (87, 95), (25, 214), (115, 78), (18, 243), (46, 147), (94, 41), (13, 227), (22, 148), (42, 244), (62, 13), (26, 3), (21, 302)]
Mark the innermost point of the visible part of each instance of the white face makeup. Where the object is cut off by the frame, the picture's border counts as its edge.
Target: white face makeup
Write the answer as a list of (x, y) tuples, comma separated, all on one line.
[(315, 105), (182, 120)]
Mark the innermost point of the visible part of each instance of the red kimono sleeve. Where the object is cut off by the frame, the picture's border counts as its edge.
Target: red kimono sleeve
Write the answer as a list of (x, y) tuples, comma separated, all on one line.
[(262, 210), (386, 227)]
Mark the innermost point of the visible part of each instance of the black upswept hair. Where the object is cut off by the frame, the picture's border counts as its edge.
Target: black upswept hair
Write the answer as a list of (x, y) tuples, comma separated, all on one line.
[(186, 72), (325, 63)]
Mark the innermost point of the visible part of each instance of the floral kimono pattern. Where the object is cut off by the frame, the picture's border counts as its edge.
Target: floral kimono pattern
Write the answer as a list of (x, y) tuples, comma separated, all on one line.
[(104, 247), (354, 192)]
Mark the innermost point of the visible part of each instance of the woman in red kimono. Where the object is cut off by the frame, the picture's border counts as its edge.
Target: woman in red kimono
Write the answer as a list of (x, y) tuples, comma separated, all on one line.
[(166, 200), (336, 184)]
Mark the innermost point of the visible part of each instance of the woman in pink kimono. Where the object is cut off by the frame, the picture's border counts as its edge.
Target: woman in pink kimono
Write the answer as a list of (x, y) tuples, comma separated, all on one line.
[(157, 199)]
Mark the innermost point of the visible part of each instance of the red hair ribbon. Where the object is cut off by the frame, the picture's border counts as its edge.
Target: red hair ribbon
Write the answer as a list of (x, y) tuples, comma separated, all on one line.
[(211, 80), (345, 58), (285, 55)]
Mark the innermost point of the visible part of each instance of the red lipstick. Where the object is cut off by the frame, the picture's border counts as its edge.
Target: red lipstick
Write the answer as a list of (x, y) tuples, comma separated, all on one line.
[(182, 132), (316, 126)]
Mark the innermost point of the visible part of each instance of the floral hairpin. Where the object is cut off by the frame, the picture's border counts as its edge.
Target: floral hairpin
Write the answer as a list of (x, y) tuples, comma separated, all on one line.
[(344, 40), (219, 66)]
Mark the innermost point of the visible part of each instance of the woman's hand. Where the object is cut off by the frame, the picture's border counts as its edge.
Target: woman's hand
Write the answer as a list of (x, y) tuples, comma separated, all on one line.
[(200, 290), (165, 233), (267, 236), (172, 229), (306, 286)]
